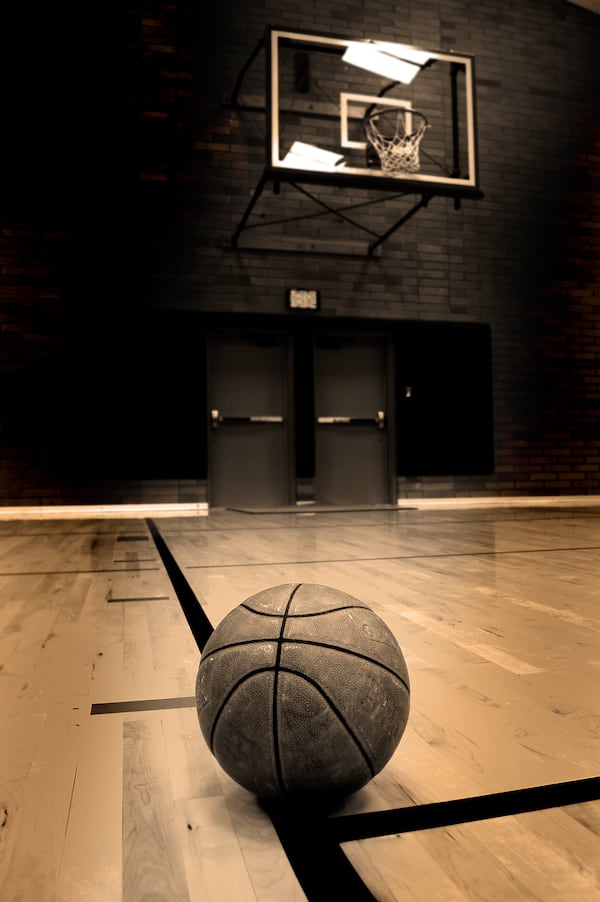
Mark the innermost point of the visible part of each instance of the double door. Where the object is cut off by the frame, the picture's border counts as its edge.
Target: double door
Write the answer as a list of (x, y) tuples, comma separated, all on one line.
[(258, 421), (250, 455), (352, 437)]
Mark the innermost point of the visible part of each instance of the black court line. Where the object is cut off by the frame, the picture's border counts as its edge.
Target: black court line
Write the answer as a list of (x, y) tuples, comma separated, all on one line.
[(313, 844), (132, 538), (139, 598), (318, 861), (75, 572), (396, 557), (145, 704), (438, 516), (312, 840), (513, 802), (212, 530), (198, 622), (76, 534)]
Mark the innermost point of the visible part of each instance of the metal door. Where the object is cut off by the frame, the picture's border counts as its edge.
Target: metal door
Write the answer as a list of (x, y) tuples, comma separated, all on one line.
[(249, 446), (352, 460)]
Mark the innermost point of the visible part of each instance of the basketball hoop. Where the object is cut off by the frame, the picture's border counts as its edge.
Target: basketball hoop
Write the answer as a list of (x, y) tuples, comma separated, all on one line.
[(392, 133)]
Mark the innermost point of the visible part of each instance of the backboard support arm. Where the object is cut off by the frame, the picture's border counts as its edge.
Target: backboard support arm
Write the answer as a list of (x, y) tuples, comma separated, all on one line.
[(257, 193), (418, 206), (325, 208), (234, 99)]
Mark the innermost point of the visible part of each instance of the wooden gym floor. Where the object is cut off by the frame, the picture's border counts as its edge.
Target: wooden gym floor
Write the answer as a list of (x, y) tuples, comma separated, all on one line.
[(107, 791)]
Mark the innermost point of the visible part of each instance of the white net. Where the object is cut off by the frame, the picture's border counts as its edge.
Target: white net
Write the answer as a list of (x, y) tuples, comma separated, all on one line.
[(396, 134)]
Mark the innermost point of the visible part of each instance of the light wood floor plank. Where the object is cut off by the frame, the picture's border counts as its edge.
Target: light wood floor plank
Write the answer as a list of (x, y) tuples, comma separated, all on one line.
[(152, 833), (498, 615), (213, 860), (91, 864), (40, 821), (271, 874), (531, 856)]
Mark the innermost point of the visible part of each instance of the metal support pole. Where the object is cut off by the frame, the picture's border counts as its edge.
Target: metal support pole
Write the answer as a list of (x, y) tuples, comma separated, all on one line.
[(257, 192), (244, 69)]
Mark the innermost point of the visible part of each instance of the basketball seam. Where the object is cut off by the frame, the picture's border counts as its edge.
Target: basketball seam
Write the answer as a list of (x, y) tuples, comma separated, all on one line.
[(276, 748), (276, 670), (222, 706), (344, 607), (283, 641), (337, 713)]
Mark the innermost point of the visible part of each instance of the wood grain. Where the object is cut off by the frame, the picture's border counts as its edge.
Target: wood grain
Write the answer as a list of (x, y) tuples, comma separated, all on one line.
[(497, 613)]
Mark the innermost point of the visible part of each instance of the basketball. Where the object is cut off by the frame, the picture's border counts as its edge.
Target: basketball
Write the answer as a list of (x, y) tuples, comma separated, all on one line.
[(302, 693)]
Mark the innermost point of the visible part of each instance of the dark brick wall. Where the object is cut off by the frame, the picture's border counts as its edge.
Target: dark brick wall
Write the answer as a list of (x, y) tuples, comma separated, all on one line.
[(123, 175)]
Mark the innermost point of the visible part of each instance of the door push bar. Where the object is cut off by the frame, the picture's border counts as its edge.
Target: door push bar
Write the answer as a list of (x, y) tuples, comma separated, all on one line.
[(216, 419), (379, 420)]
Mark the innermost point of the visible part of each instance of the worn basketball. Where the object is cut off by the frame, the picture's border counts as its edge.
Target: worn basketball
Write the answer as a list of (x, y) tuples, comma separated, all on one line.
[(302, 693)]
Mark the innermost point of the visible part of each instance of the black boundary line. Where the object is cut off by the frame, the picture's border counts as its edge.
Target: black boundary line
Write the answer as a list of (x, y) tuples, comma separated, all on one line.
[(323, 870), (446, 519), (75, 572), (400, 557), (146, 704), (198, 622), (445, 516), (312, 839), (140, 598), (313, 845), (131, 537), (347, 828)]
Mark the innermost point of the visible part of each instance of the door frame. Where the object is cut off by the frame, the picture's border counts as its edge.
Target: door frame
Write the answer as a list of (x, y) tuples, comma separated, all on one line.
[(340, 334), (288, 400)]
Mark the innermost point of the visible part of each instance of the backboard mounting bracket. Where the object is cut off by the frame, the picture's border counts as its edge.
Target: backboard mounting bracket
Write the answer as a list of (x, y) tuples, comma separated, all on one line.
[(376, 239)]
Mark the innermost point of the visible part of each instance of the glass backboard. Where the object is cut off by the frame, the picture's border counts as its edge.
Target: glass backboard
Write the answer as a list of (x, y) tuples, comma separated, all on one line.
[(349, 110)]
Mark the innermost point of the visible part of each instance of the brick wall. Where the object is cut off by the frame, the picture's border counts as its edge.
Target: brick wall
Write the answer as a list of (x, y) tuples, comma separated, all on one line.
[(124, 175)]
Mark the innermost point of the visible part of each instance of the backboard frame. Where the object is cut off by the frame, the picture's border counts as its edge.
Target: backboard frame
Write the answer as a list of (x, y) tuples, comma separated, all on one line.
[(454, 184), (449, 96)]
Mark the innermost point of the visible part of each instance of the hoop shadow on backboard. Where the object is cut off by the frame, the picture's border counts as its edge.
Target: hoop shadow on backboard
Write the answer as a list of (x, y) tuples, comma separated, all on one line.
[(352, 116)]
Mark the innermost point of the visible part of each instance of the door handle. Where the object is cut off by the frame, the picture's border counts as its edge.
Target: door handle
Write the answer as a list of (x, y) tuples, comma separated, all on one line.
[(330, 420), (379, 420), (216, 419), (264, 419)]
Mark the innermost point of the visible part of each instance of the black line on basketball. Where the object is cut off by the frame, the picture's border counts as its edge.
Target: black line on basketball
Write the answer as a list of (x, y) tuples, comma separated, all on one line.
[(242, 642), (326, 645), (276, 748), (352, 653), (277, 669), (337, 713), (234, 688), (344, 607)]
